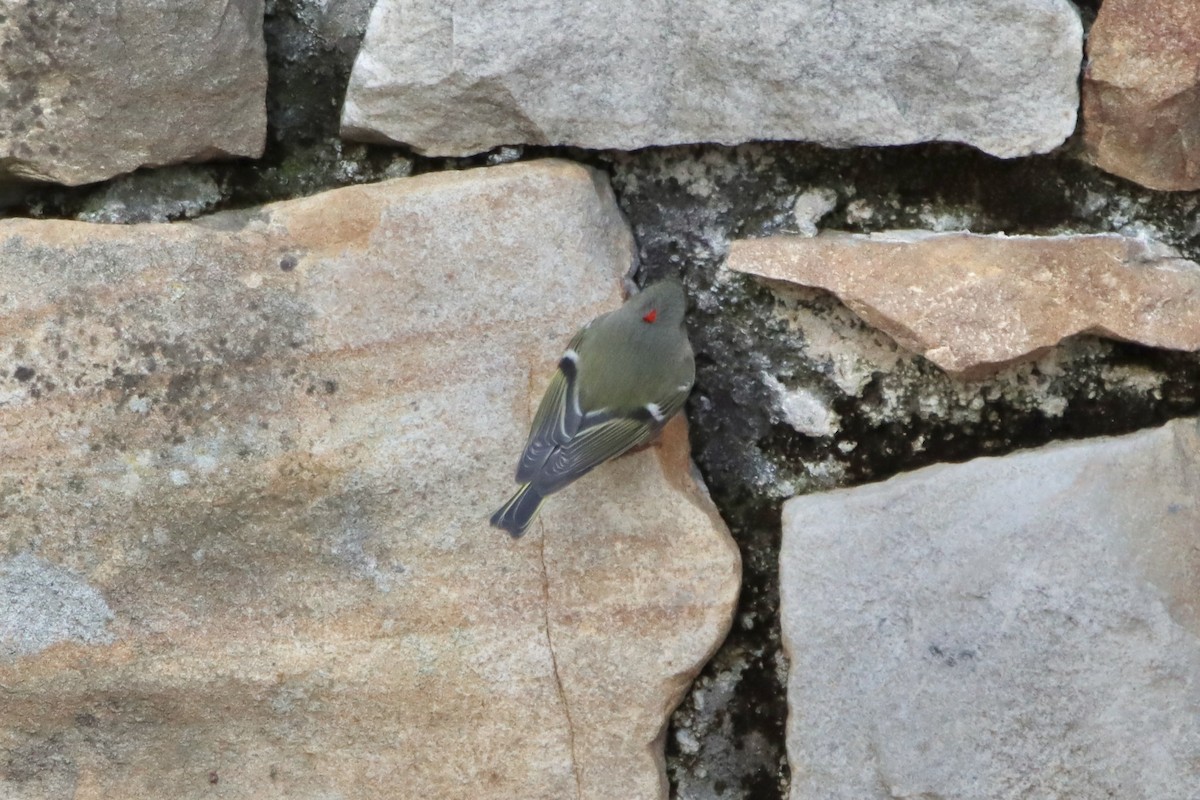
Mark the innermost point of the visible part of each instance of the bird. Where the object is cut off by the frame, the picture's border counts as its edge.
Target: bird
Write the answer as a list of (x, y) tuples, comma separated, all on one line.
[(621, 378)]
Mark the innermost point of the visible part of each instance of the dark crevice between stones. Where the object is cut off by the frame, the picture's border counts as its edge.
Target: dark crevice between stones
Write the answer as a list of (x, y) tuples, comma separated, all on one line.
[(308, 73), (685, 204)]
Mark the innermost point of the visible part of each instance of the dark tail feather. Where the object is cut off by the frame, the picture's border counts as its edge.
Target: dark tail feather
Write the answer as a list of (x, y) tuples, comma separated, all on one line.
[(515, 515)]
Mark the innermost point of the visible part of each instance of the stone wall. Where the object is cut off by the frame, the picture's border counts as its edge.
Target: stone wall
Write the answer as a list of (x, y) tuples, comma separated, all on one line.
[(281, 285)]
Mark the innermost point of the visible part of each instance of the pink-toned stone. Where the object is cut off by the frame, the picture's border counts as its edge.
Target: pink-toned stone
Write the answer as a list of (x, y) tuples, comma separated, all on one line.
[(1141, 92), (247, 471), (973, 303)]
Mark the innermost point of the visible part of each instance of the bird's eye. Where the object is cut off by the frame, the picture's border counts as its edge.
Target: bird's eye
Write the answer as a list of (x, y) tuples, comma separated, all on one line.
[(650, 315)]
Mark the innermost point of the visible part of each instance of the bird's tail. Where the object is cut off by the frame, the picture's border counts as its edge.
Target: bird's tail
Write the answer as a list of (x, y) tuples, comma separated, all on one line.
[(515, 515)]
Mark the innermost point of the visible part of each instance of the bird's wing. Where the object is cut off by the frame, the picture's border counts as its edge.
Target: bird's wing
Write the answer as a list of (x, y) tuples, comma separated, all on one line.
[(602, 436), (674, 402), (558, 416)]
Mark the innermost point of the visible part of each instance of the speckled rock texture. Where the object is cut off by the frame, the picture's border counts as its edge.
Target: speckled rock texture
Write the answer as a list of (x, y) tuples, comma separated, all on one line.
[(1008, 627), (972, 304), (455, 79), (1141, 92), (247, 471), (96, 89)]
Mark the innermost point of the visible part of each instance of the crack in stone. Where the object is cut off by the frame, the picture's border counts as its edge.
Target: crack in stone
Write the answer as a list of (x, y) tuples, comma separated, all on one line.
[(562, 695)]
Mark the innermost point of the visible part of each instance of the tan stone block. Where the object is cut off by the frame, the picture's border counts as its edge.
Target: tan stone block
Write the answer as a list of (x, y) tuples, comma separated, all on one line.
[(254, 458), (972, 304)]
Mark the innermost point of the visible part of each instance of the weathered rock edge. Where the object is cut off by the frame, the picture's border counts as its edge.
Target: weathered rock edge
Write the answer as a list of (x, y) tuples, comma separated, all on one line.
[(457, 79), (973, 304)]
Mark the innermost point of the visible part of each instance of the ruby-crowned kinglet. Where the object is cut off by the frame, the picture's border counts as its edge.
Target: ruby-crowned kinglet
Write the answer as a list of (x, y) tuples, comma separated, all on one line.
[(622, 377)]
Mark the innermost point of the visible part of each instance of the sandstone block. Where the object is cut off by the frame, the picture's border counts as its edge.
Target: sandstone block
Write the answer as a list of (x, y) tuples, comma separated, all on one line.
[(1141, 92), (972, 303), (247, 473)]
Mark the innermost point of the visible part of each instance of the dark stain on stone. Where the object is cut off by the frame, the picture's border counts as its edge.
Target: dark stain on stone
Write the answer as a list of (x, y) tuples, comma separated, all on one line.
[(182, 385), (288, 263), (124, 381), (951, 658), (35, 758), (23, 373)]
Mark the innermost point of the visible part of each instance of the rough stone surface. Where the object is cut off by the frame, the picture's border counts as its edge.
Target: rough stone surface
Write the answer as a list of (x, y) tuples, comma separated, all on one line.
[(455, 79), (811, 207), (802, 408), (92, 90), (1141, 92), (41, 605), (1009, 627), (160, 195), (972, 303), (270, 441)]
